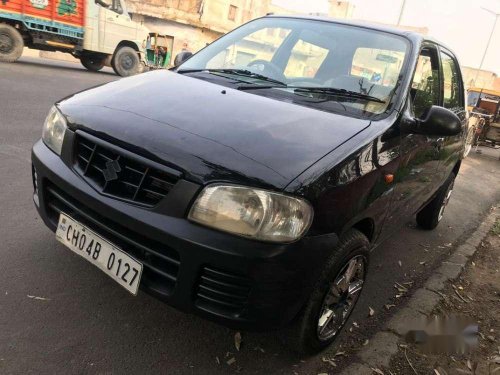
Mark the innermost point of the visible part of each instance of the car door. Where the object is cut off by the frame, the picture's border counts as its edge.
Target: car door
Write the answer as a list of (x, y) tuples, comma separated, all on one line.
[(454, 100), (416, 178), (118, 26)]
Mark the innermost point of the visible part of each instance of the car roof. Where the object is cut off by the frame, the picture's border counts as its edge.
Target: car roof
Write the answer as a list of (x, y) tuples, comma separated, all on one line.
[(414, 36)]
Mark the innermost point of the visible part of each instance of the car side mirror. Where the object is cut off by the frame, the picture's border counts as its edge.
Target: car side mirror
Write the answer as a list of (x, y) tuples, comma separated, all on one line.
[(182, 57), (436, 121)]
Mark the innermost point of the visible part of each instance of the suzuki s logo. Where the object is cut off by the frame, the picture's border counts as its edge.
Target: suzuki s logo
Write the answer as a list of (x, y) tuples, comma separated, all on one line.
[(111, 171)]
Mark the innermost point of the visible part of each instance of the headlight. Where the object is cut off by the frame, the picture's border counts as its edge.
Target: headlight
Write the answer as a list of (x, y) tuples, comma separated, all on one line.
[(254, 213), (53, 130)]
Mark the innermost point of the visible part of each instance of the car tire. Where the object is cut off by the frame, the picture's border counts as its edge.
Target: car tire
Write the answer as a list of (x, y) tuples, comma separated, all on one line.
[(11, 43), (93, 63), (429, 217), (126, 62), (309, 333)]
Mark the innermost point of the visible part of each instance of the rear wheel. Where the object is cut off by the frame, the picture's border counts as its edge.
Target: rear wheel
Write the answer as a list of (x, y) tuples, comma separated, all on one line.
[(93, 63), (126, 62), (11, 43), (334, 297), (430, 216)]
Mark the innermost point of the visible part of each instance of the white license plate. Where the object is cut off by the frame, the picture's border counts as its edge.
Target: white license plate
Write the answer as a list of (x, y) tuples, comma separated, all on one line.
[(121, 267)]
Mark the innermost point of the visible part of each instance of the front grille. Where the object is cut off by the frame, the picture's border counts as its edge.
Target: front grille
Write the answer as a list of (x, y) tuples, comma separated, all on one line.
[(161, 263), (120, 174), (222, 292)]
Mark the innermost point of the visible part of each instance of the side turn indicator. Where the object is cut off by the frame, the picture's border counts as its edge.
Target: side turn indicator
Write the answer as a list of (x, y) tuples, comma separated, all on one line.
[(389, 178)]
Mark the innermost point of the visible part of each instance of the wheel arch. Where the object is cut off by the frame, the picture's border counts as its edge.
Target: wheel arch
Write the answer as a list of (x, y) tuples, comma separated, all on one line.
[(365, 225), (14, 23), (126, 43), (18, 25)]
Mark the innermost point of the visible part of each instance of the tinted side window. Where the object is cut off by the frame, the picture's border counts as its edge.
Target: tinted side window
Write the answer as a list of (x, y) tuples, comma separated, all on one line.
[(425, 86), (452, 92)]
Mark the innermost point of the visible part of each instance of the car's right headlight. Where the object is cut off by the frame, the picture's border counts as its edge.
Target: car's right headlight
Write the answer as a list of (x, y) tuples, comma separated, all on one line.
[(254, 213), (54, 129)]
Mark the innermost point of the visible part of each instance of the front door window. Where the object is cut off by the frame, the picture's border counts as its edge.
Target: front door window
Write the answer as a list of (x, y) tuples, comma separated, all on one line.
[(452, 91), (425, 86)]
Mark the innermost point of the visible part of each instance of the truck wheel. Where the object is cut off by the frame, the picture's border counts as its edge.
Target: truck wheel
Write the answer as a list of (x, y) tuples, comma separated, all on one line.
[(126, 62), (93, 63), (430, 216), (11, 43), (334, 297)]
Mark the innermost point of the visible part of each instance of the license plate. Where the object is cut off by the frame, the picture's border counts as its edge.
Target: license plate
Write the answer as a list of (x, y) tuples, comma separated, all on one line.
[(121, 267)]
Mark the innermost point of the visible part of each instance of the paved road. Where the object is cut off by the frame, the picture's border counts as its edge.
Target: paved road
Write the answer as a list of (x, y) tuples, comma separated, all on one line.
[(88, 324)]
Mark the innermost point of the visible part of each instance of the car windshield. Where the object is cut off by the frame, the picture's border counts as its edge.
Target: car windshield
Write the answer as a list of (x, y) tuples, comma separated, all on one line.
[(322, 63)]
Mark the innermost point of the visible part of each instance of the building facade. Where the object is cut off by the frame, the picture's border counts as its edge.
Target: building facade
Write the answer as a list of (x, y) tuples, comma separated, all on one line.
[(480, 78), (194, 23)]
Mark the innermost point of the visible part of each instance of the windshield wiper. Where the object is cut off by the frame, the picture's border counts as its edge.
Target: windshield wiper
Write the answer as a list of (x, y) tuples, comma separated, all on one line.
[(332, 91), (329, 91), (237, 72)]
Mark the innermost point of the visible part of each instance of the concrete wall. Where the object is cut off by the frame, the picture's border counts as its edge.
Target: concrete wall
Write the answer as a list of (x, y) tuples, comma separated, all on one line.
[(341, 9), (194, 37), (479, 78)]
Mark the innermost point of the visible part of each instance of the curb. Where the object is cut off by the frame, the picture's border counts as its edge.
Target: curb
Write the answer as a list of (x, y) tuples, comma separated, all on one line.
[(384, 344)]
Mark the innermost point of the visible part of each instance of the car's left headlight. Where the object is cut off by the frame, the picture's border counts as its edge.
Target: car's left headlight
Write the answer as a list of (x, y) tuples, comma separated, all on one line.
[(253, 213), (54, 129)]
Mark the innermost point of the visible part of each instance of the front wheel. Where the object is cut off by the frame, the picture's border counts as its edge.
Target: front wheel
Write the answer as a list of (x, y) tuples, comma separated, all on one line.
[(93, 63), (430, 216), (469, 141), (334, 297), (11, 43), (126, 62)]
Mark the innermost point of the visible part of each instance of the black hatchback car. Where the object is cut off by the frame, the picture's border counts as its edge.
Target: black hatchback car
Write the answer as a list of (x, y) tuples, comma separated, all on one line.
[(250, 184)]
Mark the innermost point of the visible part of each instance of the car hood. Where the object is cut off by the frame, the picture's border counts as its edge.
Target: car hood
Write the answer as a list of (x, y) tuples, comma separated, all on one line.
[(209, 132)]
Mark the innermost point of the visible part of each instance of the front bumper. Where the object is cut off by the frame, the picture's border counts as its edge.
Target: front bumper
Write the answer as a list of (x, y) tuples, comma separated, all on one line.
[(240, 283)]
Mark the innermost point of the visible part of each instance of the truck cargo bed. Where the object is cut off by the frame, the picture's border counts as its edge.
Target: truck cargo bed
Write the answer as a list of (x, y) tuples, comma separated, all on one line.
[(62, 17)]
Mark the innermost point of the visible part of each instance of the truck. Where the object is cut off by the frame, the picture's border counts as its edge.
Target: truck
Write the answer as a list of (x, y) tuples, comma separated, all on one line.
[(97, 32)]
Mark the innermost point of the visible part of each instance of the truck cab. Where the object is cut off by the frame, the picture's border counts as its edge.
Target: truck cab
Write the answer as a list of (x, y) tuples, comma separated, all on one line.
[(111, 37), (98, 32)]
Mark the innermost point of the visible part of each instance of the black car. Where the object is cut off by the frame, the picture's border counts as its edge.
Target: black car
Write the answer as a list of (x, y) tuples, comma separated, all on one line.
[(250, 184)]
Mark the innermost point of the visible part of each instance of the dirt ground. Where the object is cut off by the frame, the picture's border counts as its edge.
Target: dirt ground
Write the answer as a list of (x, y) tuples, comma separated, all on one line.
[(475, 294)]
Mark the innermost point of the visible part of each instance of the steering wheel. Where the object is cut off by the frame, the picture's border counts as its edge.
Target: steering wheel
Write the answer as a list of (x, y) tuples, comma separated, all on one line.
[(263, 67)]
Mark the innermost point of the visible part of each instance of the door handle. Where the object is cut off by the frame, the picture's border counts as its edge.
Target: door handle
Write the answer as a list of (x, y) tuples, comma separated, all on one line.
[(111, 19)]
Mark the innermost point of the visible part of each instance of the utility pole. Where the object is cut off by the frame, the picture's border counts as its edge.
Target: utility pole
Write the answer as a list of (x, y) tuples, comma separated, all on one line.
[(401, 12), (489, 41)]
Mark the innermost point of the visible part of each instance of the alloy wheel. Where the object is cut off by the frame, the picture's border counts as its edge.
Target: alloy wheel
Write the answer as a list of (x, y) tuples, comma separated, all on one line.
[(445, 201), (341, 297)]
